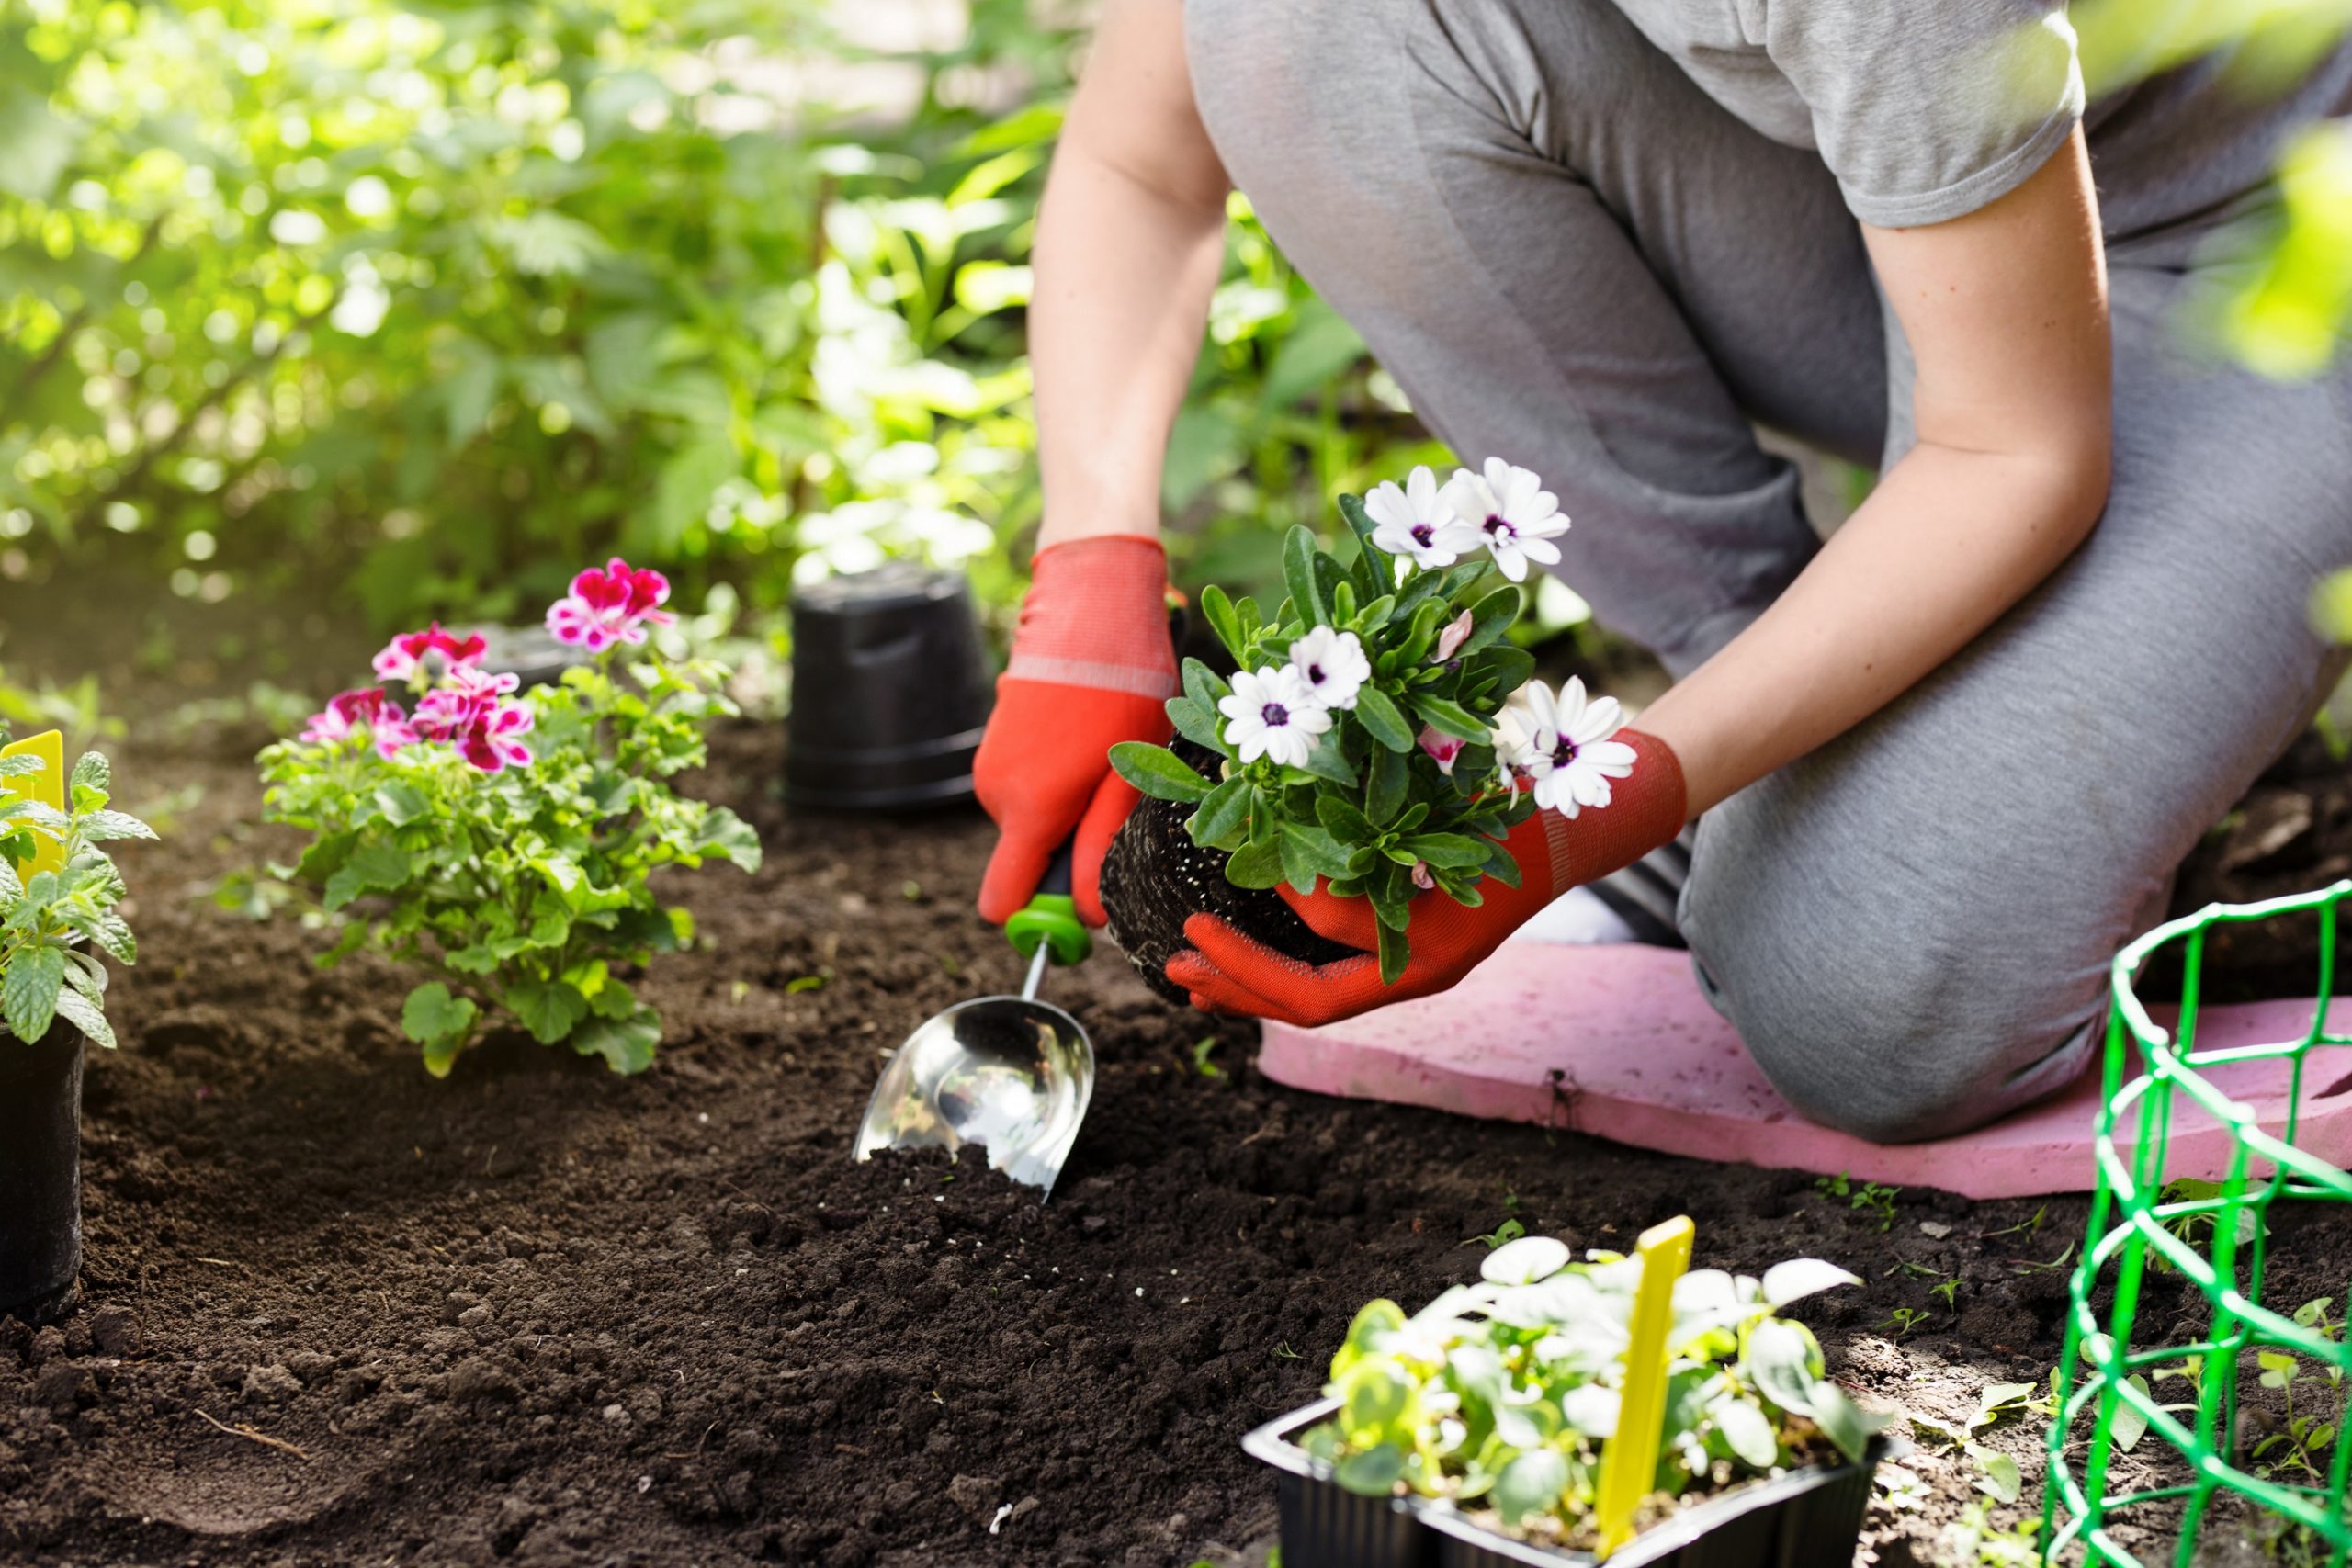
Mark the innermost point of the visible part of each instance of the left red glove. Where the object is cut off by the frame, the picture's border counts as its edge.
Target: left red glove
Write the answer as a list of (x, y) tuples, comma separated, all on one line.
[(1227, 972), (1090, 666)]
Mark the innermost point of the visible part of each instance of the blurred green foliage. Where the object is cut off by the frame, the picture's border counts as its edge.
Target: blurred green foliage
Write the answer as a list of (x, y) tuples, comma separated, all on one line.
[(412, 306), (429, 302)]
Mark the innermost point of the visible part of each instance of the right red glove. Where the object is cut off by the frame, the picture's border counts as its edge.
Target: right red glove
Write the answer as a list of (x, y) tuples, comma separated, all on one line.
[(1227, 972), (1090, 666)]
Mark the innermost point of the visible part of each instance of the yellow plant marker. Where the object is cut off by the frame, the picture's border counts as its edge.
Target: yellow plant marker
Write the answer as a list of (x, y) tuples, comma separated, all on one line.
[(47, 786), (1629, 1460)]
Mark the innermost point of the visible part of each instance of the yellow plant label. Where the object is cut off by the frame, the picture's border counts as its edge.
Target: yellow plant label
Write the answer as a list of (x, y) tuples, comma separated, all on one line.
[(47, 786), (1629, 1460)]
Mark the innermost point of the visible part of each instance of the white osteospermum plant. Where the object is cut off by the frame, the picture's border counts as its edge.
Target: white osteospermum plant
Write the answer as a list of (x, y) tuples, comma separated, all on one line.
[(1501, 1394), (1378, 728), (54, 922)]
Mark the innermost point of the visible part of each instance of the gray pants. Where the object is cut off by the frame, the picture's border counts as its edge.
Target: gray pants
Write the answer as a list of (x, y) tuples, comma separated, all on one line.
[(1572, 258)]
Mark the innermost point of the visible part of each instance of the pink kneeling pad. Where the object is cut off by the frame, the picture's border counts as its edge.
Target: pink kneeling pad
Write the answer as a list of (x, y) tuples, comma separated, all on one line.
[(1643, 1060)]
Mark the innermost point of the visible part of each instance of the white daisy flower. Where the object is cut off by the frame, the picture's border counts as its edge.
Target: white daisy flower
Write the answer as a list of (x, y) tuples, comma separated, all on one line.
[(1567, 754), (1333, 665), (1415, 522), (1273, 714), (1516, 517)]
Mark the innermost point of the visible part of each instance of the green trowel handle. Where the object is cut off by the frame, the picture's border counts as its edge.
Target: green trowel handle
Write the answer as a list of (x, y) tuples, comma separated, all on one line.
[(1052, 917)]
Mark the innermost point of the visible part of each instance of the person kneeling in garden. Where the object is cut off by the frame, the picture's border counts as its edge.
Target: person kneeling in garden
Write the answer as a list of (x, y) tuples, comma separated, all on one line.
[(1942, 765)]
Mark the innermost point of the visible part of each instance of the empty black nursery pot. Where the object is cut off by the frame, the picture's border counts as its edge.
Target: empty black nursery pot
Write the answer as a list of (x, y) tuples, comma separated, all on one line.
[(1155, 878), (890, 690), (532, 654), (41, 1173)]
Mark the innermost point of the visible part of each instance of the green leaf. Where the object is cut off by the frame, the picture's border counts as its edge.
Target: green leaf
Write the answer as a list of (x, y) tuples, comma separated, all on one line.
[(100, 826), (548, 1009), (1195, 724), (1531, 1483), (30, 990), (86, 1015), (1158, 772), (1299, 577), (401, 803), (1489, 620), (1510, 666), (1449, 717), (21, 765), (1381, 720), (1998, 1477), (1345, 823), (1326, 761), (1255, 865), (1749, 1433), (1784, 1363), (113, 935), (438, 1021), (1218, 610), (1373, 1472), (1447, 849), (92, 771), (727, 834), (1391, 773), (372, 868), (1298, 866), (1327, 854), (626, 1044), (1224, 812), (1375, 567)]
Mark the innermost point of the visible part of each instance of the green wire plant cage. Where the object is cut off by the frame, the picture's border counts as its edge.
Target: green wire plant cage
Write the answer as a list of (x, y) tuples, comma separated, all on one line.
[(2194, 1425)]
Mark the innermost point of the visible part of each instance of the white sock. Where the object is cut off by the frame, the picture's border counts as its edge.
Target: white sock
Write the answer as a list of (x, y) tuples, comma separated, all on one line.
[(1576, 918)]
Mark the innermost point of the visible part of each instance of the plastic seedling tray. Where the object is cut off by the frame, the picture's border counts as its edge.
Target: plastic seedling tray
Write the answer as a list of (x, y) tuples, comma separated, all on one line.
[(1806, 1519)]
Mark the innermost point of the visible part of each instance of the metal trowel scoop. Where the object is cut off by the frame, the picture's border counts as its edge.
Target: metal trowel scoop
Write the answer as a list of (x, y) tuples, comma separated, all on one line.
[(1011, 1074)]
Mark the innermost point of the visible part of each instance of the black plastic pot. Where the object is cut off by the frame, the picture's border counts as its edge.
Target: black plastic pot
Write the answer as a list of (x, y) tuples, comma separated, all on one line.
[(532, 654), (1155, 878), (41, 1173), (1807, 1518), (890, 690)]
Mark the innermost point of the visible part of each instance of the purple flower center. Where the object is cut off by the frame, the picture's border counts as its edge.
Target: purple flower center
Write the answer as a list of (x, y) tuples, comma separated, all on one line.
[(1314, 674), (1276, 714), (1422, 533), (1563, 751), (1496, 523)]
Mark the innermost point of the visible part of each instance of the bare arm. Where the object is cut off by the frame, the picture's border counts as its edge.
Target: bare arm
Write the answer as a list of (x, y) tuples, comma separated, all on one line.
[(1129, 240), (2006, 311)]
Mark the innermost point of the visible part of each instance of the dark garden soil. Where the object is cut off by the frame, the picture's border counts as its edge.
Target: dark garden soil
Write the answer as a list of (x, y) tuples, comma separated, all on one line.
[(335, 1312)]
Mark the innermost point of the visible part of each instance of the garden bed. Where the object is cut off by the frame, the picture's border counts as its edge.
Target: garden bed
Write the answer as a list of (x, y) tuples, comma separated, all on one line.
[(543, 1313)]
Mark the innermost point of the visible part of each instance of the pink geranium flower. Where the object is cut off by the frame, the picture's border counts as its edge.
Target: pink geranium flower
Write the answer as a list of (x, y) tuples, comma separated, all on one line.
[(610, 605), (405, 656), (475, 717), (366, 710)]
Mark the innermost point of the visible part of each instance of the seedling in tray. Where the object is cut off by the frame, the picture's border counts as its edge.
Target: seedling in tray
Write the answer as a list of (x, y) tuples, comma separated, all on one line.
[(1500, 1399)]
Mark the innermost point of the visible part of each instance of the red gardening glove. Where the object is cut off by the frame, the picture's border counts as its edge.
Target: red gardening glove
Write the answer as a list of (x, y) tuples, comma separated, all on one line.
[(1227, 972), (1090, 666)]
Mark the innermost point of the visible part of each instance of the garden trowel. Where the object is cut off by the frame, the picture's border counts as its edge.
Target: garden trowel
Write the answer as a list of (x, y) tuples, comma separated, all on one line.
[(47, 787), (1011, 1074)]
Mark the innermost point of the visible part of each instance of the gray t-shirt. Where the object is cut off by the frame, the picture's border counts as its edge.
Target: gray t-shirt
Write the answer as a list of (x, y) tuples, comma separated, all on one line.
[(1926, 110)]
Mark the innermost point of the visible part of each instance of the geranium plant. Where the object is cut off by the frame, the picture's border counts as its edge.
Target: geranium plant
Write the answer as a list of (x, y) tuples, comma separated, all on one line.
[(1500, 1395), (503, 843), (54, 922), (1378, 731)]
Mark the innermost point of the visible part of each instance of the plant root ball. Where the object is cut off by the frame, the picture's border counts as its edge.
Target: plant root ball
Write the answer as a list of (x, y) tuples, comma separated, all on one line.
[(1155, 877)]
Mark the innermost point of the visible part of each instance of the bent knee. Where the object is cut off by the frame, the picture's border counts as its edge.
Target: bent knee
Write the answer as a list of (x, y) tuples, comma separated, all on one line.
[(1909, 1056)]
